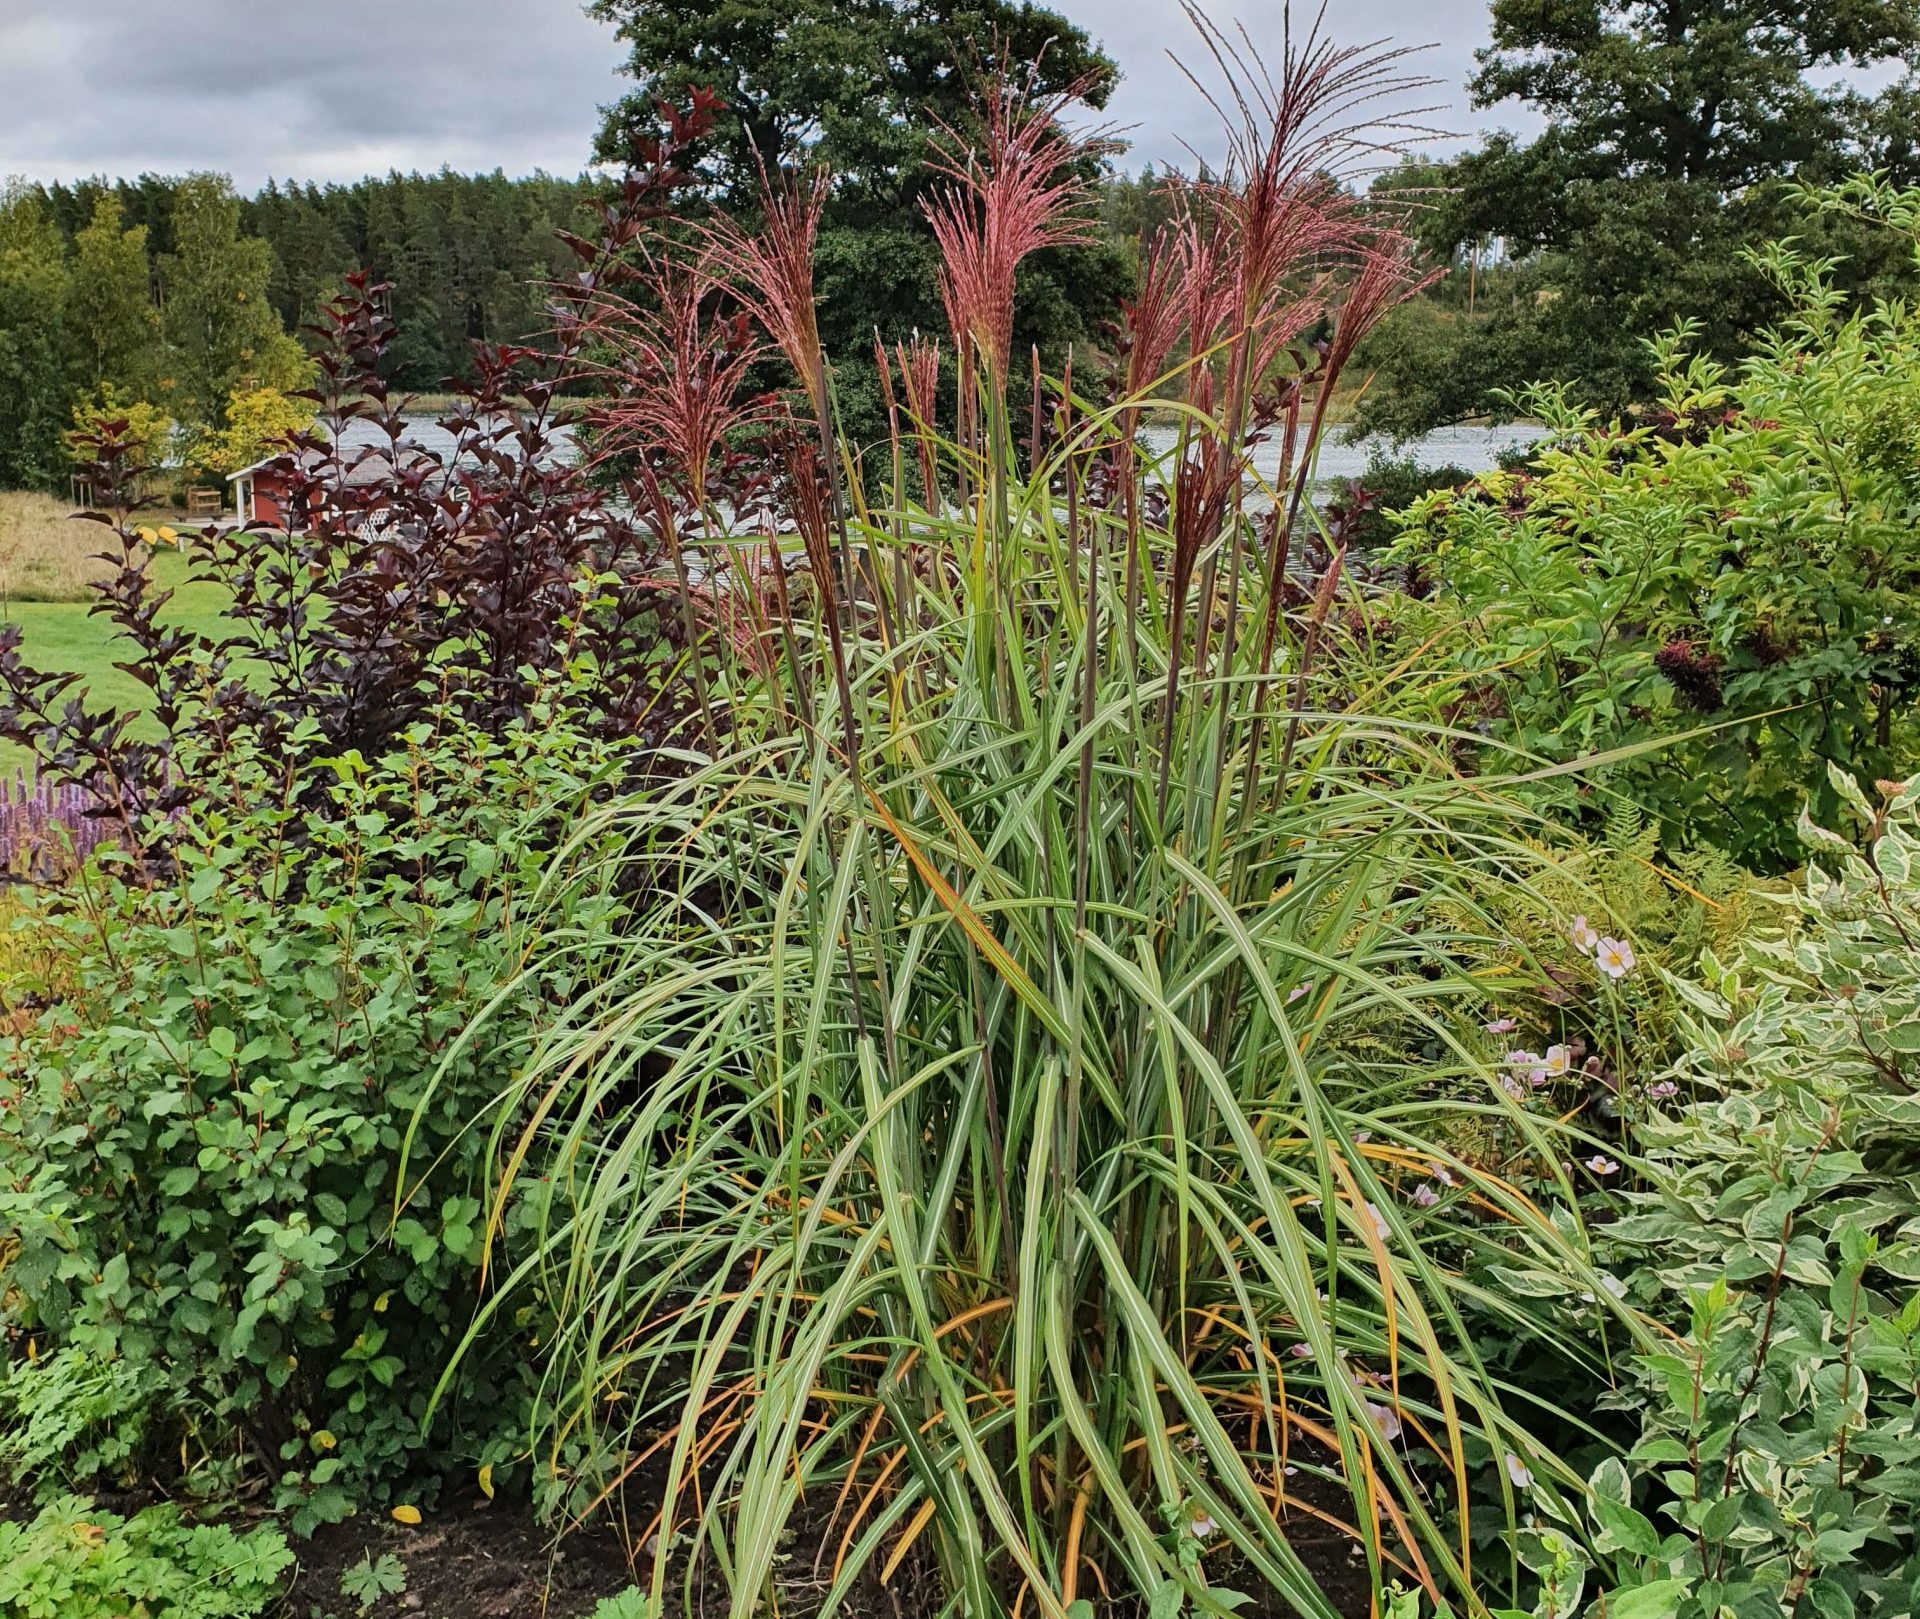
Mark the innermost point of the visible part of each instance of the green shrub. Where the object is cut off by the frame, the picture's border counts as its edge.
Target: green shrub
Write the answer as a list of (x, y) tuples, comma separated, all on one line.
[(1777, 1469), (73, 1562), (198, 1164), (1742, 566)]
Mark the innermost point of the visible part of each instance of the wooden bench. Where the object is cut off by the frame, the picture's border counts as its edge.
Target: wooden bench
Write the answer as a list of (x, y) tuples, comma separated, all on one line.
[(204, 502)]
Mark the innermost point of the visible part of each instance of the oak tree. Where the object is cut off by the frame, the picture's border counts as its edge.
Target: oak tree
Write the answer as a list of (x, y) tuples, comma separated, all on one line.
[(861, 86)]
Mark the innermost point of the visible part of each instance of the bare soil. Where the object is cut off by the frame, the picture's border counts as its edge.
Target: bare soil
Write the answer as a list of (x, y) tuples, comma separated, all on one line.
[(490, 1560)]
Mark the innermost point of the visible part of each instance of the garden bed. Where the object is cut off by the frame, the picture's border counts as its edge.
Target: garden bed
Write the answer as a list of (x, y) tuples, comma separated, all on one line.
[(484, 1560), (492, 1560)]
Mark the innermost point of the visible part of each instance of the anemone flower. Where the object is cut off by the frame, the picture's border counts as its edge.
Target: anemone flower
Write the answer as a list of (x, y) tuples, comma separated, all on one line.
[(1615, 958)]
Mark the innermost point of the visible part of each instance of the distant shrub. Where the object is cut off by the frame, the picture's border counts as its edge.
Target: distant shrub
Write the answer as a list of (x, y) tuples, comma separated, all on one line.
[(148, 430), (257, 423), (1363, 506)]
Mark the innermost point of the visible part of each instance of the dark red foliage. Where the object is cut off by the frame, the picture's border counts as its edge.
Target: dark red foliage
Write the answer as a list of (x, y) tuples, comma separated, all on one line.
[(1765, 647)]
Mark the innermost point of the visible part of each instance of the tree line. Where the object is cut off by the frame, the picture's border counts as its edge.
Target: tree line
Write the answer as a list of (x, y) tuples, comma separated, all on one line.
[(178, 303), (1675, 138)]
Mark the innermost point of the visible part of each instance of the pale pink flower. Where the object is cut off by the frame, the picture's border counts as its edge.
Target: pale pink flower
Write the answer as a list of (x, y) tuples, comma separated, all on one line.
[(1584, 938), (1535, 1065), (1424, 1196), (1601, 1164), (1615, 958), (1501, 1025), (1384, 1419)]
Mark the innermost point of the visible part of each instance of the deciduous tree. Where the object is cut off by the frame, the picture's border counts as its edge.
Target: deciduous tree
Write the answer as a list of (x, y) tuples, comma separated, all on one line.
[(36, 380), (1669, 129), (221, 327), (116, 327)]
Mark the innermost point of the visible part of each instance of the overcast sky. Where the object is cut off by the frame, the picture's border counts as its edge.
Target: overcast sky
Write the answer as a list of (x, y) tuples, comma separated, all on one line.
[(331, 91)]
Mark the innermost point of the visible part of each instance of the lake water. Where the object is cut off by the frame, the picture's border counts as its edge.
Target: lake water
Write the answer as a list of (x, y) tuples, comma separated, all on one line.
[(1473, 449)]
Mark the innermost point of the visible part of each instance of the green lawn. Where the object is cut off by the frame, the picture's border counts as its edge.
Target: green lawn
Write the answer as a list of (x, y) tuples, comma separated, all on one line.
[(69, 635)]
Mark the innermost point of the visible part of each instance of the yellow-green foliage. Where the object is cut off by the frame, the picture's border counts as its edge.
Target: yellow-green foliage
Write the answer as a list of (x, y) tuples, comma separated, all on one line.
[(148, 429), (32, 955), (258, 421), (1669, 907)]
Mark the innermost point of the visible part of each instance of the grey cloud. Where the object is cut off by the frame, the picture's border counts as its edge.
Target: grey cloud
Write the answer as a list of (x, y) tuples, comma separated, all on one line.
[(332, 91), (327, 91)]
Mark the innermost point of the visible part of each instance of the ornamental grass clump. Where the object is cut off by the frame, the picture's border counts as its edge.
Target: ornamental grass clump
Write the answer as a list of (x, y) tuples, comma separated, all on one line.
[(998, 1145)]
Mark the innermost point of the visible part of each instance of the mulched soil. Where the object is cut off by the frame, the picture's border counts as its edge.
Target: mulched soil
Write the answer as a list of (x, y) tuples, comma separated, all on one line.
[(489, 1560)]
